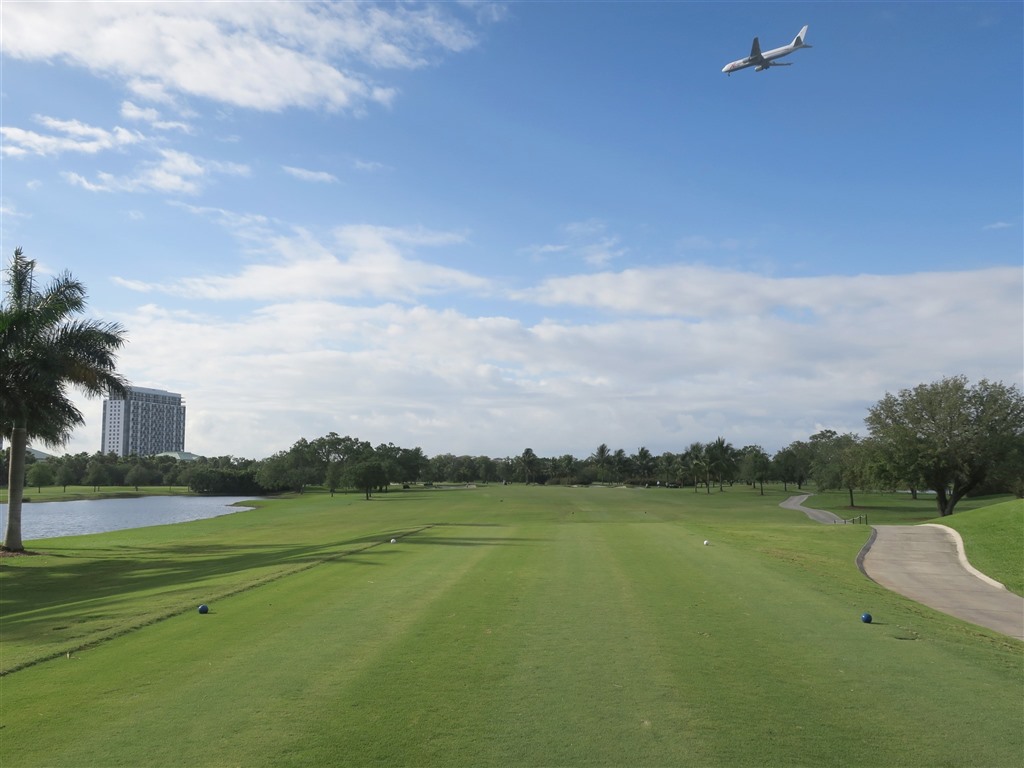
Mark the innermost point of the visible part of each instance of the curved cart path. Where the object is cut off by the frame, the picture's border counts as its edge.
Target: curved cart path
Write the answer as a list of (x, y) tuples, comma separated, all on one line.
[(927, 563)]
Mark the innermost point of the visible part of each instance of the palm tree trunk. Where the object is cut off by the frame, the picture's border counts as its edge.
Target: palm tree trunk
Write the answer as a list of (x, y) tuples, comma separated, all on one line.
[(16, 489)]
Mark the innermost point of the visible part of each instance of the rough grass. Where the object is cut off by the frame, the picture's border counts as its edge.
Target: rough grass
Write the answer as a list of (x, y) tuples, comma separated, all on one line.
[(893, 508), (994, 541), (79, 492), (508, 626)]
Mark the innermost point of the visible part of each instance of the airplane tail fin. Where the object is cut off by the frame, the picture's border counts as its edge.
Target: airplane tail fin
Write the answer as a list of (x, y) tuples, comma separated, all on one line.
[(798, 41)]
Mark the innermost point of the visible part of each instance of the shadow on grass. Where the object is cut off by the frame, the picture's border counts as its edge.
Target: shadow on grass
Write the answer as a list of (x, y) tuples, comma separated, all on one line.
[(35, 598), (72, 577)]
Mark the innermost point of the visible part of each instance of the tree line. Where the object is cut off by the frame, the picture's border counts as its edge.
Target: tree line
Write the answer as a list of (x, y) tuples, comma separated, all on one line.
[(949, 437)]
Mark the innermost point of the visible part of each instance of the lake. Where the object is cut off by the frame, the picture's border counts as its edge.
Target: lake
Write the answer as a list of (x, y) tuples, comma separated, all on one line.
[(48, 519)]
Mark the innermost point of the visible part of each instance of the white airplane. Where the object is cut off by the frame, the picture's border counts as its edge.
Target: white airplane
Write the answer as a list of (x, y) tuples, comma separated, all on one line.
[(760, 61)]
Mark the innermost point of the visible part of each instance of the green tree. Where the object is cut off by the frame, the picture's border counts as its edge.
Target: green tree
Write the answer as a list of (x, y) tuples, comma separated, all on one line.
[(755, 465), (66, 475), (411, 464), (602, 459), (527, 462), (141, 473), (365, 475), (695, 460), (487, 469), (332, 478), (722, 461), (619, 465), (840, 461), (793, 464), (98, 472), (39, 474), (644, 464), (950, 436), (45, 350)]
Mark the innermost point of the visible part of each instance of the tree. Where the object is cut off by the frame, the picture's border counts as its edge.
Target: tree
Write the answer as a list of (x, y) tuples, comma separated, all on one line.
[(840, 461), (602, 459), (44, 350), (793, 464), (97, 472), (332, 478), (411, 464), (950, 436), (40, 473), (66, 475), (755, 465), (695, 459), (527, 462), (721, 458), (365, 475), (644, 464), (620, 464), (142, 473)]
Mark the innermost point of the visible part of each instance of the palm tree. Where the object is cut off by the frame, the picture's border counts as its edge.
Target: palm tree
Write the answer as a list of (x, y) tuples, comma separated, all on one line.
[(602, 458), (43, 350), (528, 463), (643, 463), (620, 464), (696, 460), (722, 459)]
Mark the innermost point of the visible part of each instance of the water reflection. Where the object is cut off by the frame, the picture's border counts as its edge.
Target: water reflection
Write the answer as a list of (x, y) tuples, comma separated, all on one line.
[(44, 520)]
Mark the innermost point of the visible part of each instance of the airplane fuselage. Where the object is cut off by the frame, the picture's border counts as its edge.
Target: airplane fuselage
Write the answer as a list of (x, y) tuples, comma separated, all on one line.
[(750, 61), (761, 61)]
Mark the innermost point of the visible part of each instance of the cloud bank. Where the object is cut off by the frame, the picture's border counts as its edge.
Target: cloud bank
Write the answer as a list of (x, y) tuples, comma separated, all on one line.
[(361, 336)]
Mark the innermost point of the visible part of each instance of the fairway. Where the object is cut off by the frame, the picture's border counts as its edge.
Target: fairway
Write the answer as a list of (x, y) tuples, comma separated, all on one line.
[(507, 626)]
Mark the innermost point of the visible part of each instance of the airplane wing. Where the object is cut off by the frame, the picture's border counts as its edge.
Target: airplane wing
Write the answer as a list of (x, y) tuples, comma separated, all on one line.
[(755, 50)]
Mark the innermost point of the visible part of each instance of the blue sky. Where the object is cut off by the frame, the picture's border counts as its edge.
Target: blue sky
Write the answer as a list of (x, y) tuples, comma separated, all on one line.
[(478, 227)]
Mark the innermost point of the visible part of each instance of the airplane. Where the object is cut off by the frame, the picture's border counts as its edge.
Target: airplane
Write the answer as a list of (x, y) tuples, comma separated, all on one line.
[(762, 61)]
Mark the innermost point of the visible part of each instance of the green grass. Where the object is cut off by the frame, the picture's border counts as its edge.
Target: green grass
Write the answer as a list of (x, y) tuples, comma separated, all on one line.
[(994, 541), (892, 508), (992, 527), (509, 626), (79, 492)]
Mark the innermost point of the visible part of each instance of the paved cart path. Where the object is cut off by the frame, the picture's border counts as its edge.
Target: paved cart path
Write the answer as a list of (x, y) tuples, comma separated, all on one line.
[(927, 563)]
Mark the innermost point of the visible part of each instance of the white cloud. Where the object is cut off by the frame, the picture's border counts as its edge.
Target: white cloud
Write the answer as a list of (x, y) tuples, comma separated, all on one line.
[(175, 173), (368, 166), (686, 290), (997, 225), (265, 56), (767, 366), (307, 175), (584, 240), (65, 136), (361, 261), (130, 111)]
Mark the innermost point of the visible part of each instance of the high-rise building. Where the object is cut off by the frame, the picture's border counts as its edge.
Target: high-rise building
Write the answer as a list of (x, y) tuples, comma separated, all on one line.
[(143, 423)]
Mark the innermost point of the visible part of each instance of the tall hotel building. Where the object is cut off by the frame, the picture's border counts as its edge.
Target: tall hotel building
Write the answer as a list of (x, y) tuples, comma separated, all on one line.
[(144, 423)]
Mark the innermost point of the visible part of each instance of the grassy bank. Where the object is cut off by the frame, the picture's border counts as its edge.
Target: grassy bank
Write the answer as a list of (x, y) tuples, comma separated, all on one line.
[(506, 626), (994, 541), (82, 492)]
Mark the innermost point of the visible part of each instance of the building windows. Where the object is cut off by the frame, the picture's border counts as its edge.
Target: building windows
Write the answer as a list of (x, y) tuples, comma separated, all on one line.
[(145, 422)]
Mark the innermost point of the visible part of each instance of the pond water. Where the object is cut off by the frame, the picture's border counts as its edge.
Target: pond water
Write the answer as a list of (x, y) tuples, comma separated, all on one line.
[(47, 519)]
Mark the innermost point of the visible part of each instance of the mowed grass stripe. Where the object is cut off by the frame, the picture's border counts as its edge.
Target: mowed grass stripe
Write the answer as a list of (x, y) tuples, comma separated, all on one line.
[(252, 678), (539, 627), (515, 649)]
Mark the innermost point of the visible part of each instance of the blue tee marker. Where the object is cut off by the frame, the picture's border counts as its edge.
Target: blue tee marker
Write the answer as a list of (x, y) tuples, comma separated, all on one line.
[(204, 608), (866, 618)]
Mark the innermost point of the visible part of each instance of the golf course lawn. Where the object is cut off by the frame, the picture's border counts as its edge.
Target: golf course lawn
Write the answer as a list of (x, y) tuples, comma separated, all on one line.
[(507, 626)]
